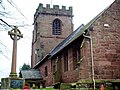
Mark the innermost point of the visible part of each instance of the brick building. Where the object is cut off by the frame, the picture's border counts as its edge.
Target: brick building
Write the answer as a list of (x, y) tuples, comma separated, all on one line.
[(91, 52)]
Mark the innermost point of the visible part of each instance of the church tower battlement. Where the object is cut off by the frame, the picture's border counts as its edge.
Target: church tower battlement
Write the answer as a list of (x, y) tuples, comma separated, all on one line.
[(53, 11)]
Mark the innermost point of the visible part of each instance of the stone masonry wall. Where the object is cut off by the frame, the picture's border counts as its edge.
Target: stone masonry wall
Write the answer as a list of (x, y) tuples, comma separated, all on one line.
[(70, 75), (106, 43), (85, 65), (106, 51), (46, 41), (49, 77)]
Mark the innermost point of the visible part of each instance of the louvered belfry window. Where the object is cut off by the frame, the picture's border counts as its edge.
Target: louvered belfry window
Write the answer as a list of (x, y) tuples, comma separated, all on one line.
[(56, 27)]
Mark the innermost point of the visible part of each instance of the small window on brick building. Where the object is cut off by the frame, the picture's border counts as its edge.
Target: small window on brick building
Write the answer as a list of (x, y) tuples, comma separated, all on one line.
[(65, 61), (46, 71), (76, 55), (56, 27)]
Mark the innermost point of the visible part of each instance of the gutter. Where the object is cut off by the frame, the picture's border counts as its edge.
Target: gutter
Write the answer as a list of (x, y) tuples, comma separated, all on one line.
[(91, 50)]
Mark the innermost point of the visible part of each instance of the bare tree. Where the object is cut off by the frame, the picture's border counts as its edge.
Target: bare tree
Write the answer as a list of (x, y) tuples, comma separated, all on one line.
[(6, 16), (10, 15)]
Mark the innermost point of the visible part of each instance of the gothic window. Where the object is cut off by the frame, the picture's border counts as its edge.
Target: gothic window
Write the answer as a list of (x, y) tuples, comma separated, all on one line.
[(56, 27), (74, 59), (46, 71), (65, 61), (54, 66), (54, 69), (76, 55)]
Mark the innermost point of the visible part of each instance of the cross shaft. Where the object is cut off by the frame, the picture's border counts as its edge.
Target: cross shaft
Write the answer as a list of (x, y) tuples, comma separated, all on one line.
[(15, 35)]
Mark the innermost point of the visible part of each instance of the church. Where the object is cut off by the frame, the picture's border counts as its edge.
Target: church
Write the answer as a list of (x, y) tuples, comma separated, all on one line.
[(90, 54)]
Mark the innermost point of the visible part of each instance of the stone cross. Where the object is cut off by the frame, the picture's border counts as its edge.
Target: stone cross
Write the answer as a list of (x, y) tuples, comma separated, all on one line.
[(15, 35)]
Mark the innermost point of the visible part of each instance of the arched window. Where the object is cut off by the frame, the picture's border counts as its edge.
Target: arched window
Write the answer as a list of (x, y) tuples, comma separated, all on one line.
[(56, 27)]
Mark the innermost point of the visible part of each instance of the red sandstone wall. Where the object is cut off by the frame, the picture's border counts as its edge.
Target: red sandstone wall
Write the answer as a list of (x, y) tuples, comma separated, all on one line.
[(45, 38), (106, 51), (106, 44), (70, 75), (85, 65), (49, 78)]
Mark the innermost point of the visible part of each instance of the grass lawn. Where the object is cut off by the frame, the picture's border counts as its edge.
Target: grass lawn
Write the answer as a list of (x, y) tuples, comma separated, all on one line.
[(47, 89)]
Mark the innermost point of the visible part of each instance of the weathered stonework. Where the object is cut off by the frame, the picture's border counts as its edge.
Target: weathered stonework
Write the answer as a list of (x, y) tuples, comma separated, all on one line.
[(43, 39), (106, 43), (105, 35)]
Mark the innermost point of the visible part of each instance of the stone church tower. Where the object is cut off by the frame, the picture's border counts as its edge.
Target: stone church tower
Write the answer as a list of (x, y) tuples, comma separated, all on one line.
[(51, 26)]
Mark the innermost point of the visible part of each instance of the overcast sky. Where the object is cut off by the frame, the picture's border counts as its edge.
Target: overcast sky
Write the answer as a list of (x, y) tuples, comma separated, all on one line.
[(83, 11)]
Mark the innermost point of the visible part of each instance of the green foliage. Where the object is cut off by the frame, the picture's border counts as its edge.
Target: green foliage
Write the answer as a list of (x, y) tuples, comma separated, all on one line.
[(25, 67), (65, 86)]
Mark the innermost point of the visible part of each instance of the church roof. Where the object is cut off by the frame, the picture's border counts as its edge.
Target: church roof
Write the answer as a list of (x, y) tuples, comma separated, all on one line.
[(30, 74)]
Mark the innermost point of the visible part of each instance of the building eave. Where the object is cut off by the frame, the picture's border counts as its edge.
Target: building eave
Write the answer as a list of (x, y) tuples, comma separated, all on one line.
[(47, 56)]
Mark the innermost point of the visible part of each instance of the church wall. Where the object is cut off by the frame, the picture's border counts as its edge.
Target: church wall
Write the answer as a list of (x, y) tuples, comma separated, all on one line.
[(106, 49), (48, 77), (106, 43), (71, 75), (85, 62)]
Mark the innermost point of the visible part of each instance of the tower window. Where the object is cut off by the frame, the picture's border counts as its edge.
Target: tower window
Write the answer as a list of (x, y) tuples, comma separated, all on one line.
[(56, 27)]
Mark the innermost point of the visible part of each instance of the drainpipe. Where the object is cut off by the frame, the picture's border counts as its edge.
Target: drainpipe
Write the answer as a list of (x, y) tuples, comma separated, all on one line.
[(92, 64)]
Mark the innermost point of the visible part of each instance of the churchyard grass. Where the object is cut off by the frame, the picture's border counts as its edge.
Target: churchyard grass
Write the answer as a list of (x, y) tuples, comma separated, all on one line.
[(47, 89)]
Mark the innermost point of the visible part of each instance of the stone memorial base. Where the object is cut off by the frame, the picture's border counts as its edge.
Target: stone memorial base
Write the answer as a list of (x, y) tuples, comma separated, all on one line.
[(12, 83)]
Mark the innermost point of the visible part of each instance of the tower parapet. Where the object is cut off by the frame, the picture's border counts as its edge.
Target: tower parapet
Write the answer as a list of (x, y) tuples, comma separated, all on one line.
[(53, 11)]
